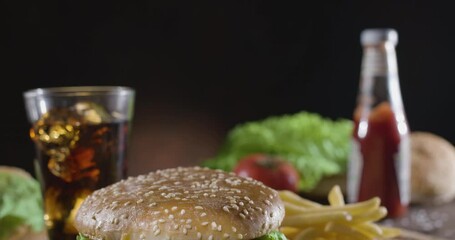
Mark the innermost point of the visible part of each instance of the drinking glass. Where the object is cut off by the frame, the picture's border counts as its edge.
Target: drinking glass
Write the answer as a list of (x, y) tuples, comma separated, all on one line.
[(81, 136)]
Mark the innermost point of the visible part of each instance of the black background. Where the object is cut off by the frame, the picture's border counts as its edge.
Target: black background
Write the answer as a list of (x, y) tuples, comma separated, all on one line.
[(201, 67)]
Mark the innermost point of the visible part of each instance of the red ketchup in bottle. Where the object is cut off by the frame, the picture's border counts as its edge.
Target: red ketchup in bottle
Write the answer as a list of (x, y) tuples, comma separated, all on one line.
[(379, 161)]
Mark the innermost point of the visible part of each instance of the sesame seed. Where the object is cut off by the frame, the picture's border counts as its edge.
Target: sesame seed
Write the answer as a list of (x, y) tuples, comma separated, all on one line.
[(205, 223), (203, 214), (239, 236), (225, 235), (199, 235), (142, 236), (174, 208), (157, 232), (182, 212), (198, 207), (219, 228), (140, 201), (242, 215), (185, 231), (213, 225), (171, 216), (226, 208), (210, 237)]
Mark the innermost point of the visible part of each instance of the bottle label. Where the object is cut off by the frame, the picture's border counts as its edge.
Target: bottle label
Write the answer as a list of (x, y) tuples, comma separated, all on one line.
[(354, 172), (402, 169)]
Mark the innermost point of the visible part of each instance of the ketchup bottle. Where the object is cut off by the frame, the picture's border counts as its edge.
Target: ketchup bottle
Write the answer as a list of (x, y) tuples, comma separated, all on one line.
[(379, 162)]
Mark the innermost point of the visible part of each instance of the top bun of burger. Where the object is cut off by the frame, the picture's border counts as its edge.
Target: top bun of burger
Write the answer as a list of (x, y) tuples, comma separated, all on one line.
[(181, 203)]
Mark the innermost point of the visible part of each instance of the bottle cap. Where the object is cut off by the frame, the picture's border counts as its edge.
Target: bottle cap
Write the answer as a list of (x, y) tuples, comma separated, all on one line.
[(377, 36)]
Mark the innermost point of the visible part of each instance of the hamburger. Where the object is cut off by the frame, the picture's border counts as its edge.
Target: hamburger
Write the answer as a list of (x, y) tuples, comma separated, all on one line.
[(182, 203)]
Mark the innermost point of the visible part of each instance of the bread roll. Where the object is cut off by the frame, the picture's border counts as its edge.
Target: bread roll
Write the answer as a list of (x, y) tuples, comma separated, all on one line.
[(432, 169)]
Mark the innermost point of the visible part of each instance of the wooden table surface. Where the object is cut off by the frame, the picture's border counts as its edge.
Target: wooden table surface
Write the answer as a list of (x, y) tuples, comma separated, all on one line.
[(437, 221)]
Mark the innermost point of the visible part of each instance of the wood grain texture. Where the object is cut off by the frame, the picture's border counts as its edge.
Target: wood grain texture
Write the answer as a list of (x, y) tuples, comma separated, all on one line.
[(410, 235)]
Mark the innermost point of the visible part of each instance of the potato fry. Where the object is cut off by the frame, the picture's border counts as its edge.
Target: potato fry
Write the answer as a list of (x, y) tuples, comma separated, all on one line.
[(308, 220), (369, 229), (291, 197), (309, 233), (353, 209), (293, 209), (290, 232), (311, 219), (344, 230), (390, 232), (336, 198), (370, 216)]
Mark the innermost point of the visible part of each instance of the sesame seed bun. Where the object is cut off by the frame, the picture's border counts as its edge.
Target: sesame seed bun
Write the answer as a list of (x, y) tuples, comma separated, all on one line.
[(181, 203)]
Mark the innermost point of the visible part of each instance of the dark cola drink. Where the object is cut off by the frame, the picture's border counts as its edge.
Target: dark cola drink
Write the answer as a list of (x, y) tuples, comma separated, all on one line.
[(79, 149)]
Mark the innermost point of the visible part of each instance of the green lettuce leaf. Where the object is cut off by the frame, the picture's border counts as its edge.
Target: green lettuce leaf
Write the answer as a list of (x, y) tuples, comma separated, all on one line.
[(275, 235), (316, 146), (20, 204), (81, 237)]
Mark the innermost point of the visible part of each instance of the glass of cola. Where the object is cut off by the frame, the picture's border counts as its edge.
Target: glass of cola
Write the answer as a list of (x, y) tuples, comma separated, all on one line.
[(81, 136)]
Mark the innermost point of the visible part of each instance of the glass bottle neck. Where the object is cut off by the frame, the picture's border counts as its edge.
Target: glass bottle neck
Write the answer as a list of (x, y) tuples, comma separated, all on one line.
[(379, 60), (379, 76)]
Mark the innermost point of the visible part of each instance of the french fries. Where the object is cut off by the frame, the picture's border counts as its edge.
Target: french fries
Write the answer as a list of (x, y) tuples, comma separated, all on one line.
[(308, 220)]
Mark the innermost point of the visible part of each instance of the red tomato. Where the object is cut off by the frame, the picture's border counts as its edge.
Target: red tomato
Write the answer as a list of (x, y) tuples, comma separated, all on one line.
[(272, 171)]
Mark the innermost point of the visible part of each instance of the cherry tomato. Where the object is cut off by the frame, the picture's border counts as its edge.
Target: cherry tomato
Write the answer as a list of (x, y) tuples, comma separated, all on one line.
[(270, 170)]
